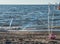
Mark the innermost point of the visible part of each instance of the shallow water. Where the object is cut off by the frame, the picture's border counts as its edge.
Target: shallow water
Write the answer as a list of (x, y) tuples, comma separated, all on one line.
[(29, 16)]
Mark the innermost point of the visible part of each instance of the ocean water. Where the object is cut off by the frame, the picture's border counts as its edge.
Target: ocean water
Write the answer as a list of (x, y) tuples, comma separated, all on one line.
[(29, 16)]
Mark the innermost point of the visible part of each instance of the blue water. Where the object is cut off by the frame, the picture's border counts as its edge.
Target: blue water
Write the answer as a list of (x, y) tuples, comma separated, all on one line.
[(29, 16)]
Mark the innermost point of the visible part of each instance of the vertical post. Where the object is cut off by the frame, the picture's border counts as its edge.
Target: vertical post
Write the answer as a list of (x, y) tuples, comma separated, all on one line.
[(48, 18), (11, 22), (52, 26)]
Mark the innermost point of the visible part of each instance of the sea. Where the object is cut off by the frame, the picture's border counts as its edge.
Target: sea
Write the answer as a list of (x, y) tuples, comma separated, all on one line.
[(30, 17)]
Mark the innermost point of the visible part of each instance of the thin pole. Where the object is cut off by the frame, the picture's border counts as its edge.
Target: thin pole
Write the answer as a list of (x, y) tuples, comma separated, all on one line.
[(52, 21), (48, 18), (11, 22)]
